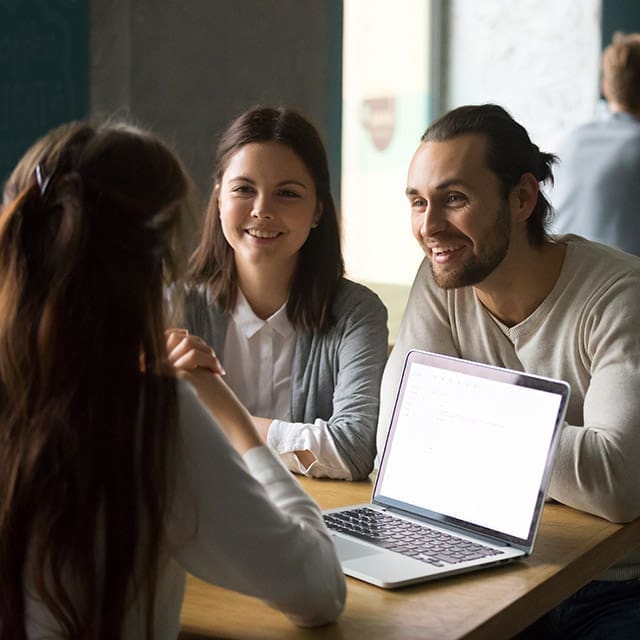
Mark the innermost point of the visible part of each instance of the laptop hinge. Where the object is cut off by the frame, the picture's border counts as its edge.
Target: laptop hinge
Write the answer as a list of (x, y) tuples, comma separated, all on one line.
[(447, 526)]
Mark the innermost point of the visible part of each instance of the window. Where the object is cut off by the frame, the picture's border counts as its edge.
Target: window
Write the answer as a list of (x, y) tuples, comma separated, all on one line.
[(387, 104)]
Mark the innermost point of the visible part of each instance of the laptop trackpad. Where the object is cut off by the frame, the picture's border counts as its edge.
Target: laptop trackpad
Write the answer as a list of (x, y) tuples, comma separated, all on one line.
[(350, 550)]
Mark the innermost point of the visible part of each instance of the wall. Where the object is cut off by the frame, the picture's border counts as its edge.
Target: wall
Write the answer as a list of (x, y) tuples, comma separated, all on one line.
[(44, 71), (537, 58), (187, 67), (619, 15)]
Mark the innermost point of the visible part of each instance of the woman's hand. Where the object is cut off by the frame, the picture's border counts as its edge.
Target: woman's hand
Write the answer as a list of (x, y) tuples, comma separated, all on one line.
[(186, 352)]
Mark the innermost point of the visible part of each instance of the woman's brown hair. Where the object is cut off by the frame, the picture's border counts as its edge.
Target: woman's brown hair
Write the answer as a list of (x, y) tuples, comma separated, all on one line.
[(320, 266), (87, 423)]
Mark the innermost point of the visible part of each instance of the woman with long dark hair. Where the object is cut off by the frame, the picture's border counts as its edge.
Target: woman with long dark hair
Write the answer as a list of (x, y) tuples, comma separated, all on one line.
[(110, 467), (303, 347)]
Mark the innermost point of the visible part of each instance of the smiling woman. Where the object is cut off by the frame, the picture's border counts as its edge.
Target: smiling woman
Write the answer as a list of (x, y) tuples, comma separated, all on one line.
[(268, 206), (302, 347)]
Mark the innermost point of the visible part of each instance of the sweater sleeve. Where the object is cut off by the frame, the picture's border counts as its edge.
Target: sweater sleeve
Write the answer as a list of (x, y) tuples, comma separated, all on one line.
[(361, 343), (344, 379), (597, 467), (288, 437), (246, 524)]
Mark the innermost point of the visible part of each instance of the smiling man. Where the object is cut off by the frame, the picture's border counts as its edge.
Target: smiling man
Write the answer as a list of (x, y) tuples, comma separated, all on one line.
[(495, 287)]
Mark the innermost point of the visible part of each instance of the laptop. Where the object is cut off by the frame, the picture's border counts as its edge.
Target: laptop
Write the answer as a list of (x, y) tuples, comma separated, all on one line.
[(463, 475)]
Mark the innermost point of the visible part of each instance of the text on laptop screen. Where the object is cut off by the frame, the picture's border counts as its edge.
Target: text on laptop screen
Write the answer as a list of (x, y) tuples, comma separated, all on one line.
[(471, 448)]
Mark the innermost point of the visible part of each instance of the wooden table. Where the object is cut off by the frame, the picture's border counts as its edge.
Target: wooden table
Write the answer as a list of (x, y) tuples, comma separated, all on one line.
[(571, 549)]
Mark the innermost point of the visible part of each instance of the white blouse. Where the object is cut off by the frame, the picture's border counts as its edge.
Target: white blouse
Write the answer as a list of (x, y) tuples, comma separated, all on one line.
[(258, 359)]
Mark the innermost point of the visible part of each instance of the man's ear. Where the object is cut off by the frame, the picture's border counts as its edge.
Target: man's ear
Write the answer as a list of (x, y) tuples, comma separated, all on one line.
[(524, 197)]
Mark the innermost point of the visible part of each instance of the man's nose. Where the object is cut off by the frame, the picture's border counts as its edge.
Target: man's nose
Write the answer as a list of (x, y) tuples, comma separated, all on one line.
[(433, 220)]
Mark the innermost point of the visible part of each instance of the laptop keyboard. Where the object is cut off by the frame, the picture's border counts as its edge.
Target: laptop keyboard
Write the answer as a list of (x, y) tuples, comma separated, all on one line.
[(405, 537)]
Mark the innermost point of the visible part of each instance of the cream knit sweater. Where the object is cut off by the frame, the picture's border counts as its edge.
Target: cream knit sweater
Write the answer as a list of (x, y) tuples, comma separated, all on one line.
[(587, 332)]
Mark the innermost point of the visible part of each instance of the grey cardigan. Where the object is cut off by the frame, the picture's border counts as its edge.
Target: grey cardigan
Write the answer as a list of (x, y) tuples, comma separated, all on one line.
[(336, 375)]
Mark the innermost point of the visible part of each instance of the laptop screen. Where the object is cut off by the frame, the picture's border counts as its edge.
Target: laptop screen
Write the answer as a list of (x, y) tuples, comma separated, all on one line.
[(470, 443)]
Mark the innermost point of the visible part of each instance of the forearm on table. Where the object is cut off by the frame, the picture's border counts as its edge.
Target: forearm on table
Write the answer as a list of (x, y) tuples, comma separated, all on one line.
[(595, 473), (321, 455)]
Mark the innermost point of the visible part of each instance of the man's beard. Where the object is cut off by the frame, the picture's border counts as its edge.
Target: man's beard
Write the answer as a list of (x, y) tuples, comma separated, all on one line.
[(477, 268)]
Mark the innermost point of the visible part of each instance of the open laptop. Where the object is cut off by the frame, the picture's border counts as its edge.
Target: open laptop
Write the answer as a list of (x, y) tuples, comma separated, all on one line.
[(463, 475)]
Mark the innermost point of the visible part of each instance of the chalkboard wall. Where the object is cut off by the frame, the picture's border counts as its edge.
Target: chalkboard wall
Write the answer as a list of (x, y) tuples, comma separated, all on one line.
[(619, 15), (44, 71)]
